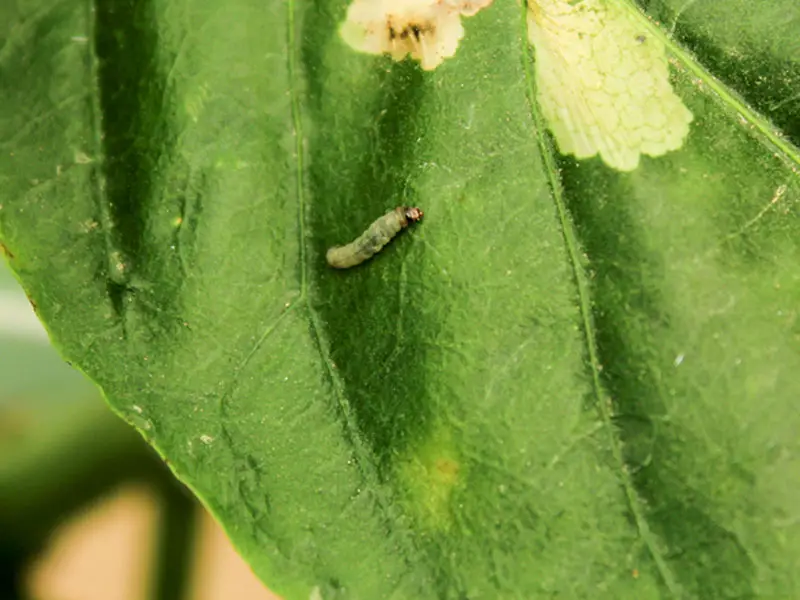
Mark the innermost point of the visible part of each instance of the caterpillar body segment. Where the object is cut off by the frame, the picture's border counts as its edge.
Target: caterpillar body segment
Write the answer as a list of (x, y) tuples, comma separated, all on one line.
[(374, 238)]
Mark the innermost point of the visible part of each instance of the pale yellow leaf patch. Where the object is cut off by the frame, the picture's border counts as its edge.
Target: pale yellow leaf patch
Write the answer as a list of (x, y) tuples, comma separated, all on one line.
[(427, 30), (431, 473), (603, 82)]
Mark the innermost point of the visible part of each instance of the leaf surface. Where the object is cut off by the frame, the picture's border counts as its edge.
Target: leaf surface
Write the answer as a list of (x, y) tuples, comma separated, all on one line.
[(567, 381)]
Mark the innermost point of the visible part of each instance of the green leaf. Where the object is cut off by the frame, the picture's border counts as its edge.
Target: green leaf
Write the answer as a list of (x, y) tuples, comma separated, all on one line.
[(566, 382)]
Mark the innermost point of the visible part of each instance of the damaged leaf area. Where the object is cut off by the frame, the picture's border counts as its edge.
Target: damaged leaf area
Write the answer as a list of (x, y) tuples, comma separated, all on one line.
[(577, 379), (602, 79), (426, 30), (603, 84)]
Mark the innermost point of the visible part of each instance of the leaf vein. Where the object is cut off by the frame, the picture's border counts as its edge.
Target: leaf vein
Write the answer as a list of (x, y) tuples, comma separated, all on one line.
[(365, 465), (584, 303)]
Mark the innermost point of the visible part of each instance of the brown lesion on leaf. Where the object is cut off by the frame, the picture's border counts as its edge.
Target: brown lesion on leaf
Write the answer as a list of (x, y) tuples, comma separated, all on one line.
[(33, 304), (4, 250), (411, 30), (447, 470)]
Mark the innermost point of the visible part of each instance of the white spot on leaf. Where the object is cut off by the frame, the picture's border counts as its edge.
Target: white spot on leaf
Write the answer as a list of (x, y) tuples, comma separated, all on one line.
[(82, 158), (427, 30), (603, 82)]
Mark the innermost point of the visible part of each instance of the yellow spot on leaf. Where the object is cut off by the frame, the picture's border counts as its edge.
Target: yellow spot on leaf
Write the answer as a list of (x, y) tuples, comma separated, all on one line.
[(429, 474)]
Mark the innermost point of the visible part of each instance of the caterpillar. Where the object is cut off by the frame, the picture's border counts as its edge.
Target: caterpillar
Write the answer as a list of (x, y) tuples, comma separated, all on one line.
[(374, 238)]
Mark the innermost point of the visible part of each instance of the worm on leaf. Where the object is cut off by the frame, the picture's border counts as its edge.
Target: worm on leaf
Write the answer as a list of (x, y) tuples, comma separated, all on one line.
[(374, 238)]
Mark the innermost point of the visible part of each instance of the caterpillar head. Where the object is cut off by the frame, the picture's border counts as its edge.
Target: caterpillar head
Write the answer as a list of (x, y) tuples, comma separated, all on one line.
[(412, 213)]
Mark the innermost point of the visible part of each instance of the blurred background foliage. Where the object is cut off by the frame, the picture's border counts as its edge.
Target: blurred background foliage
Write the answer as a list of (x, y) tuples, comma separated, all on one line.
[(65, 458)]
